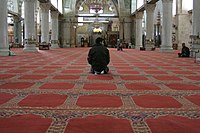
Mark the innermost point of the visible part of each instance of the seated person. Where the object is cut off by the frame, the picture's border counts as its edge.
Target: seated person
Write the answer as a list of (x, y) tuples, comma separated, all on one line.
[(185, 52), (99, 58)]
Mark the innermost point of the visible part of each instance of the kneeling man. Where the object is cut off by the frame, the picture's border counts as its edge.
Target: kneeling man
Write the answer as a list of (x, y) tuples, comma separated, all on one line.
[(99, 58)]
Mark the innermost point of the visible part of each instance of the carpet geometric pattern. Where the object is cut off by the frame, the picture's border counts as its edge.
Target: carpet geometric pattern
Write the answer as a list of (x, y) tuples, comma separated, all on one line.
[(144, 92)]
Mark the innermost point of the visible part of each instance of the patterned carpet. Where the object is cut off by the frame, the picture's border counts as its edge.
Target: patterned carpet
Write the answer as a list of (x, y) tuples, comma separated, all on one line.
[(144, 92)]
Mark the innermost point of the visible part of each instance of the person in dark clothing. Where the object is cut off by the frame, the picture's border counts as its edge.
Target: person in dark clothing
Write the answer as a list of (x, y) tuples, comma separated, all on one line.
[(99, 58), (185, 52)]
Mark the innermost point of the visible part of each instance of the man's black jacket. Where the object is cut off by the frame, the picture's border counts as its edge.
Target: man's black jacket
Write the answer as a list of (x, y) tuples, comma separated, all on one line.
[(98, 57)]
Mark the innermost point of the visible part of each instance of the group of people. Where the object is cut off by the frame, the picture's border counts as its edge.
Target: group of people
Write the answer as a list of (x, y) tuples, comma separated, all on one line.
[(99, 56)]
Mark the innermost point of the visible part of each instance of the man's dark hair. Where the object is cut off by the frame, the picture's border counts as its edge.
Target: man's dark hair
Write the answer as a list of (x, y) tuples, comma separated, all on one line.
[(99, 40)]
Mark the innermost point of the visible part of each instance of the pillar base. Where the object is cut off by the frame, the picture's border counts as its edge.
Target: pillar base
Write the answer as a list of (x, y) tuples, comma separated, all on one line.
[(54, 44), (138, 47), (73, 46), (149, 45), (195, 46), (67, 45), (166, 49), (30, 45), (4, 52)]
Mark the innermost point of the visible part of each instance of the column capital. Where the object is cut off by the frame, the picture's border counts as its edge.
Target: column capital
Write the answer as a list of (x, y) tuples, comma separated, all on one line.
[(122, 20), (54, 14), (150, 7), (16, 18), (45, 7), (29, 1), (139, 15), (167, 1)]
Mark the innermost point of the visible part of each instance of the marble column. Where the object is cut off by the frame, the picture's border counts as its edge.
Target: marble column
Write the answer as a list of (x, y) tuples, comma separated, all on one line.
[(166, 45), (4, 47), (54, 33), (138, 38), (17, 31), (150, 43), (30, 38), (45, 22), (196, 27)]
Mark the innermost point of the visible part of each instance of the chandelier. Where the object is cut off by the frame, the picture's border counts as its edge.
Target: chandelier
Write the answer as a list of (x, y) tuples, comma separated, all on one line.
[(96, 5)]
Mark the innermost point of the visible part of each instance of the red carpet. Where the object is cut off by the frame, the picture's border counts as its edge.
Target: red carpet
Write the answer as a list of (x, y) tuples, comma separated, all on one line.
[(33, 77), (24, 124), (67, 77), (144, 92), (17, 71), (6, 76), (167, 78), (99, 86), (99, 101), (141, 86), (174, 124), (179, 86), (100, 77), (72, 71), (44, 71), (16, 85), (128, 72), (4, 97), (98, 124), (155, 72), (43, 100), (57, 86), (194, 99), (193, 77), (156, 101), (134, 78)]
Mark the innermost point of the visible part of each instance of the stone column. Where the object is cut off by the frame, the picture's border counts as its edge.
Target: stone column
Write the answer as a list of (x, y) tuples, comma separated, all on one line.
[(4, 48), (178, 6), (138, 38), (127, 30), (66, 30), (166, 45), (158, 30), (29, 24), (73, 32), (17, 31), (150, 43), (133, 32), (121, 28), (196, 27), (45, 22), (182, 26), (54, 33)]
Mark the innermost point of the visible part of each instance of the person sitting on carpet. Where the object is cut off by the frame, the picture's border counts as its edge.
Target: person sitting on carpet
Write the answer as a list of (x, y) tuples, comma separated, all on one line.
[(185, 52), (99, 58)]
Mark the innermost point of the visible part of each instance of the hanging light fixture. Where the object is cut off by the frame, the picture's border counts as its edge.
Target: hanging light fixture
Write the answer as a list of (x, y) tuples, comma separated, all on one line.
[(96, 5)]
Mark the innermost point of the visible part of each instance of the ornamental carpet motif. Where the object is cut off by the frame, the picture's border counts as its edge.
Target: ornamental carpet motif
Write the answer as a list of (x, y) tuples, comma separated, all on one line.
[(144, 92)]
